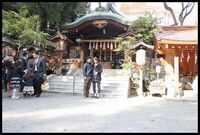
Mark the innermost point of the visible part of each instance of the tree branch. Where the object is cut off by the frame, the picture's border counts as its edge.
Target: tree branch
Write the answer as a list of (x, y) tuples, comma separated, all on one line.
[(172, 13), (181, 14), (186, 12)]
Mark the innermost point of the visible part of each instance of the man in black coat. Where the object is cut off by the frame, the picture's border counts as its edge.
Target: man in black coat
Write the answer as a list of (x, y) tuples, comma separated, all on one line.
[(23, 61), (87, 74), (38, 65)]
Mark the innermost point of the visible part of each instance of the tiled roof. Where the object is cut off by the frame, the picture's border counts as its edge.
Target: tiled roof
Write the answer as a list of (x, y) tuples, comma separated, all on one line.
[(60, 35), (97, 15), (189, 35), (141, 44)]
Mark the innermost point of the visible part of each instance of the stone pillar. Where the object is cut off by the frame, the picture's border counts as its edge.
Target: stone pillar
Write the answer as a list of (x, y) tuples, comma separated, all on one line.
[(169, 79), (176, 76), (81, 55), (126, 55), (195, 86), (140, 93)]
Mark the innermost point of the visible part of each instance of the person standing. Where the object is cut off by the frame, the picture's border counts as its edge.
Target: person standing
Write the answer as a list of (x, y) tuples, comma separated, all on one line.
[(23, 61), (4, 76), (38, 65), (96, 79), (28, 89), (15, 82), (87, 74), (9, 62)]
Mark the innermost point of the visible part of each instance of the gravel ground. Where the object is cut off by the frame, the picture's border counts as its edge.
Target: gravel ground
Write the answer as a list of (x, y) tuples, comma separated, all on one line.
[(66, 113)]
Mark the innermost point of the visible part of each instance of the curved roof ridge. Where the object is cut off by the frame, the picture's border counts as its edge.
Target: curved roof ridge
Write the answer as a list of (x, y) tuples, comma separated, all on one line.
[(98, 15)]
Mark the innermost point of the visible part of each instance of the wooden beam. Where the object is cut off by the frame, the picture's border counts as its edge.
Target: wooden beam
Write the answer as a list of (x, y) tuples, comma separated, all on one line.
[(177, 42)]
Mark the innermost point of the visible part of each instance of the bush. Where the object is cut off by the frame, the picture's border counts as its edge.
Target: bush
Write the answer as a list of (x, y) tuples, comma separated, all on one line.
[(134, 87)]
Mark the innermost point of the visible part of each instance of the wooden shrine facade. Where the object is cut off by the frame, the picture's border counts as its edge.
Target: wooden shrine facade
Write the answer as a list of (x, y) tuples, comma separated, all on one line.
[(179, 41), (92, 35)]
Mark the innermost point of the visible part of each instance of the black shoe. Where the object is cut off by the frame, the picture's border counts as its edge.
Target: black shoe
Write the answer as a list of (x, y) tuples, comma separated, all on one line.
[(33, 95), (24, 94), (37, 95)]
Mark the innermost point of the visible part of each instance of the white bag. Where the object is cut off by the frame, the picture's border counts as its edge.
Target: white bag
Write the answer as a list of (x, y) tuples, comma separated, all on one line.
[(15, 94)]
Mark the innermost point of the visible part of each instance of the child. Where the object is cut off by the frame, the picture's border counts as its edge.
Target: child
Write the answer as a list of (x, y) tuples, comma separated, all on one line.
[(28, 88), (15, 80), (15, 87)]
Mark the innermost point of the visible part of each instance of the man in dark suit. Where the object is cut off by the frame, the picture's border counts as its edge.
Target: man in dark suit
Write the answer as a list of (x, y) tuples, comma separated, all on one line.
[(23, 61), (38, 64), (87, 74)]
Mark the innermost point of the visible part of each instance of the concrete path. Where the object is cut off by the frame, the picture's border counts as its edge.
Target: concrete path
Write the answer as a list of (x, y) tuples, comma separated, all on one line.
[(66, 113)]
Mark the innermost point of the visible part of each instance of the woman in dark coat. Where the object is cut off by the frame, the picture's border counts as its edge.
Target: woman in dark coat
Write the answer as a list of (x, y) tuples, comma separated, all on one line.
[(8, 62), (96, 79)]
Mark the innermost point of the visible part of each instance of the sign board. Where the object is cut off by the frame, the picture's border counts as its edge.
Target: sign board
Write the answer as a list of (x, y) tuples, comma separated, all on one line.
[(158, 69), (140, 57)]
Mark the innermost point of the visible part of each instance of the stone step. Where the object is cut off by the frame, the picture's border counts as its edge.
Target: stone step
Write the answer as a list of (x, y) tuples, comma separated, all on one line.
[(109, 92), (80, 84), (81, 89), (71, 89), (113, 84), (103, 83), (81, 78), (102, 95)]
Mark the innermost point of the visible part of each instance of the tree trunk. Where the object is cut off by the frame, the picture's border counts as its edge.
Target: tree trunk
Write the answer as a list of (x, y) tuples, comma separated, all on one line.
[(41, 13)]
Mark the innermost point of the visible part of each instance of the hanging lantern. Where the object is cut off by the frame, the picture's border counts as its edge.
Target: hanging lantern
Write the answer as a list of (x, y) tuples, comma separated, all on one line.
[(111, 46), (188, 57), (96, 46), (195, 57), (104, 31), (104, 46), (100, 45), (166, 46), (90, 46), (182, 55), (115, 45)]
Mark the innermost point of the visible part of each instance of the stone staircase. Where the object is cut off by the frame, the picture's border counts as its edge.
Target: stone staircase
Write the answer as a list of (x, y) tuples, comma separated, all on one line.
[(114, 83)]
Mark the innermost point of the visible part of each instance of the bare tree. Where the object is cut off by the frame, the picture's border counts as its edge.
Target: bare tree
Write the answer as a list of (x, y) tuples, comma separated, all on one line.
[(185, 11)]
